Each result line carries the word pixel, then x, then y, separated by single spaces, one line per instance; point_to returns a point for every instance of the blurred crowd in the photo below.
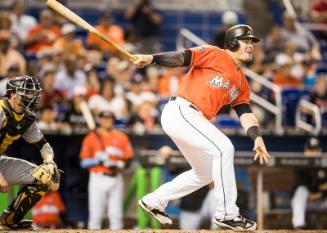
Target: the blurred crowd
pixel 74 69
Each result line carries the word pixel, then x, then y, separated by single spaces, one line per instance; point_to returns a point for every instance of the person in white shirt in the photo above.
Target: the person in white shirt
pixel 21 23
pixel 69 77
pixel 106 99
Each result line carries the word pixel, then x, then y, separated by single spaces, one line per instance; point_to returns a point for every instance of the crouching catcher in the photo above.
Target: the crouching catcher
pixel 17 119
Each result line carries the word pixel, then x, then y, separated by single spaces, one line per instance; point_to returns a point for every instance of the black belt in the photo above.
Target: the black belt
pixel 173 98
pixel 112 174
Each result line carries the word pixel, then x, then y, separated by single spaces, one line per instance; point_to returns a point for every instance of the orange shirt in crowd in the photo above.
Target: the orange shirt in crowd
pixel 213 81
pixel 74 47
pixel 290 81
pixel 168 85
pixel 48 36
pixel 113 32
pixel 116 143
pixel 47 211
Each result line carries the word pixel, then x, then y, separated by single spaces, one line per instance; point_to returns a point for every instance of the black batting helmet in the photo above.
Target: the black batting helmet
pixel 238 32
pixel 28 88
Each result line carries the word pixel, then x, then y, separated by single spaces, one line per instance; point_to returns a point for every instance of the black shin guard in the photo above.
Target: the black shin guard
pixel 27 197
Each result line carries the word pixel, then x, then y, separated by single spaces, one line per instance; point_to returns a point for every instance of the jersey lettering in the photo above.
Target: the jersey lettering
pixel 219 82
pixel 233 94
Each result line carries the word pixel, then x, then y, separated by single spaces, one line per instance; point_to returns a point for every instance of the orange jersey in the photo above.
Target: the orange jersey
pixel 47 211
pixel 213 81
pixel 115 142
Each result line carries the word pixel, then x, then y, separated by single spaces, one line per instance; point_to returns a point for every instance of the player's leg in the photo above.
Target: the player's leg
pixel 115 209
pixel 18 171
pixel 298 205
pixel 97 188
pixel 194 150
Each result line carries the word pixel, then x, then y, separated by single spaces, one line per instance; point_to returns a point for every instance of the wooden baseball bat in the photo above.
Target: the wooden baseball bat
pixel 88 117
pixel 64 11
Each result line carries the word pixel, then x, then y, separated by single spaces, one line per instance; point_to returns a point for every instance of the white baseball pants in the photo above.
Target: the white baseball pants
pixel 210 154
pixel 105 192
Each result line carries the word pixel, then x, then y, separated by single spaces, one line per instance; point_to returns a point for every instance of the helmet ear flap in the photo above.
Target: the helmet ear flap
pixel 234 44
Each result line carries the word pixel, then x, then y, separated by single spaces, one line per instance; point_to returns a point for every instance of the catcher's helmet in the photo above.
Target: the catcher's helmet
pixel 238 32
pixel 28 88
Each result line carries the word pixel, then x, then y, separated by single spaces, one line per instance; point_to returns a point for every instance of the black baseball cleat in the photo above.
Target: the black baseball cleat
pixel 22 225
pixel 161 216
pixel 238 223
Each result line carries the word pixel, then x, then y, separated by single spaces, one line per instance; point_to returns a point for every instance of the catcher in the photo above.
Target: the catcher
pixel 17 119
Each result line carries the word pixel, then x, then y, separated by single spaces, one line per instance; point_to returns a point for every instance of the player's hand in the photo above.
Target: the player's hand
pixel 102 156
pixel 142 60
pixel 4 186
pixel 260 151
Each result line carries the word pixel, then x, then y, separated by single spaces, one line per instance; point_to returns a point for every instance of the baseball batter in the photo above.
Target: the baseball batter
pixel 215 79
pixel 17 119
pixel 105 152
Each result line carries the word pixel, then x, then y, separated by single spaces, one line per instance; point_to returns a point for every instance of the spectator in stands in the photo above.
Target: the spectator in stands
pixel 311 187
pixel 303 39
pixel 106 152
pixel 229 19
pixel 136 90
pixel 43 34
pixel 146 24
pixel 310 74
pixel 319 93
pixel 48 122
pixel 152 75
pixel 5 21
pixel 284 77
pixel 122 72
pixel 9 57
pixel 21 23
pixel 93 82
pixel 48 212
pixel 73 115
pixel 68 43
pixel 50 57
pixel 13 71
pixel 145 118
pixel 69 77
pixel 273 44
pixel 112 31
pixel 170 80
pixel 106 99
pixel 319 11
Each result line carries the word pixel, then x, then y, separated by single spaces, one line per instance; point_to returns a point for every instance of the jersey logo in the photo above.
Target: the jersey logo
pixel 233 94
pixel 218 81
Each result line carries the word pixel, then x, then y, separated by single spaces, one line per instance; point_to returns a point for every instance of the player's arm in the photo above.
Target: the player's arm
pixel 33 135
pixel 250 124
pixel 168 59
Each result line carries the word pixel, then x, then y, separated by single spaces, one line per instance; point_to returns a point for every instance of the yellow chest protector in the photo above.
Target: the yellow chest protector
pixel 14 125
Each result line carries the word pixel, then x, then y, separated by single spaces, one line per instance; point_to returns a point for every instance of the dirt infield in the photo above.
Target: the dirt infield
pixel 158 231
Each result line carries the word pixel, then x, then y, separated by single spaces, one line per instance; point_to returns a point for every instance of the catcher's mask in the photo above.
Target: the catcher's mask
pixel 238 32
pixel 28 88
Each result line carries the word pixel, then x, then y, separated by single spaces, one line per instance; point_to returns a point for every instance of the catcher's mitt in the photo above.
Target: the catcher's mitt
pixel 49 174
